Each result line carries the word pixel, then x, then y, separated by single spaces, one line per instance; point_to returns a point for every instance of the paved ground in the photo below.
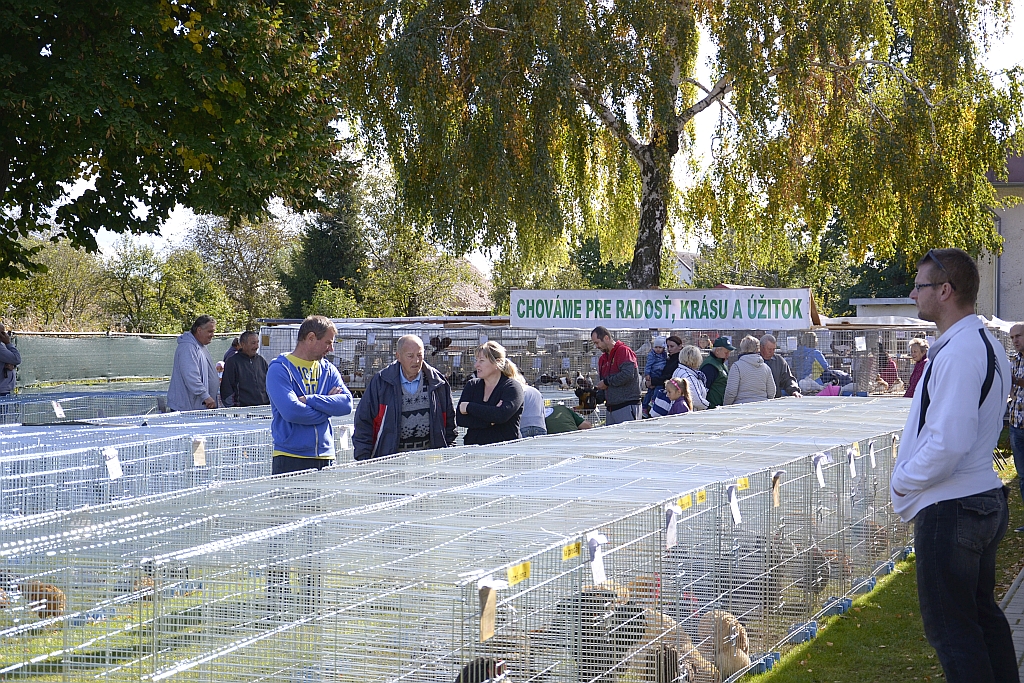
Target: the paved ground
pixel 1013 606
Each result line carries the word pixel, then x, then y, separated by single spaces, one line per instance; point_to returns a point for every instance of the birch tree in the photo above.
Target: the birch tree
pixel 524 125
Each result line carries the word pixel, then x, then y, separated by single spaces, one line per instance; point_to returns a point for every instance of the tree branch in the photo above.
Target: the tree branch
pixel 832 66
pixel 723 87
pixel 607 116
pixel 721 102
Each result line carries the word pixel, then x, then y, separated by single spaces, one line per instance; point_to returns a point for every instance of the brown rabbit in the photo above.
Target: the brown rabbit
pixel 45 599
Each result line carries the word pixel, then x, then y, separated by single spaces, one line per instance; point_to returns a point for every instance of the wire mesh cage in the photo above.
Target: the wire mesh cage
pixel 646 552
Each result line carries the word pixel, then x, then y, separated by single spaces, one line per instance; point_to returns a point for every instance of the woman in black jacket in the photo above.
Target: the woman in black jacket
pixel 673 345
pixel 492 402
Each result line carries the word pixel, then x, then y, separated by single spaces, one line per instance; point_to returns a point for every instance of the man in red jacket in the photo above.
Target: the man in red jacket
pixel 620 377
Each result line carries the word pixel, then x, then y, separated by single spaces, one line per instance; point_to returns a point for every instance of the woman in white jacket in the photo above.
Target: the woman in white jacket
pixel 750 378
pixel 690 359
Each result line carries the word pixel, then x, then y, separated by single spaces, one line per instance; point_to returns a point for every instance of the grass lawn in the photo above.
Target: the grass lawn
pixel 881 638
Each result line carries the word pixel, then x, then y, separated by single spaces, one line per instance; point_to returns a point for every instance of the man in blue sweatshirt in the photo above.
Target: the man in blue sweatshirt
pixel 305 392
pixel 944 481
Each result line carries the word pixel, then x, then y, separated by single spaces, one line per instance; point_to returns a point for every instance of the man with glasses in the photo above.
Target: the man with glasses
pixel 944 481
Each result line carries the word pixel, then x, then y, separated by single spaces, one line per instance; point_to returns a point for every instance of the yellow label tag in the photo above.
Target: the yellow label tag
pixel 518 573
pixel 570 551
pixel 702 496
pixel 686 502
pixel 742 484
pixel 856 449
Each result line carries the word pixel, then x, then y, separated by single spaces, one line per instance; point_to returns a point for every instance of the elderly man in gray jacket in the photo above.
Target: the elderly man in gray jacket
pixel 194 381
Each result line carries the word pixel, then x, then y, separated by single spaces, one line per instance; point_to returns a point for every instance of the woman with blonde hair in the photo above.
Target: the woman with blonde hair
pixel 690 359
pixel 492 402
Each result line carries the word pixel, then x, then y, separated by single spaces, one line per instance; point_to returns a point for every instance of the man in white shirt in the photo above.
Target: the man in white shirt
pixel 944 481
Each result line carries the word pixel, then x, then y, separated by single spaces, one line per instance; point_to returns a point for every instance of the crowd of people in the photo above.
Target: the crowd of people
pixel 942 480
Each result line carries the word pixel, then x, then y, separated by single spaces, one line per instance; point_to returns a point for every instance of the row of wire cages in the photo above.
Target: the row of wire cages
pixel 548 559
pixel 57 407
pixel 51 467
pixel 62 468
pixel 558 357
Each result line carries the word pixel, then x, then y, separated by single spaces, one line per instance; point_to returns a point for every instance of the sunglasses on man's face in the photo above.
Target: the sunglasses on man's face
pixel 936 261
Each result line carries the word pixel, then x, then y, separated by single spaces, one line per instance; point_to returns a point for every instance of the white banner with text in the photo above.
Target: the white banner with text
pixel 692 309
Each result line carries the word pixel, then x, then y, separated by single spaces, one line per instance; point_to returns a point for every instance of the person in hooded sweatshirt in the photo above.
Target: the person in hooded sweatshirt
pixel 305 392
pixel 194 381
pixel 750 378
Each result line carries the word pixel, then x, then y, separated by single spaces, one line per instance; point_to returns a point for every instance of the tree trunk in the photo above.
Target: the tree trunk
pixel 645 271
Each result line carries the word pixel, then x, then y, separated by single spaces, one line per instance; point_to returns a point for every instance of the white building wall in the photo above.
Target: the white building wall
pixel 1002 277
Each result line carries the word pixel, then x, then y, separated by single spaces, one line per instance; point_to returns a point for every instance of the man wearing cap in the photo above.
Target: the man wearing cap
pixel 716 372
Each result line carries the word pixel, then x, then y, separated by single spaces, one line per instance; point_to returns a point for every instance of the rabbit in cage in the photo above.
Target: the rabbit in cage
pixel 45 599
pixel 672 652
pixel 724 640
pixel 482 670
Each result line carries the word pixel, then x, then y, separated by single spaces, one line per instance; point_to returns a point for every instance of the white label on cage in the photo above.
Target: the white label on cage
pixel 734 505
pixel 593 362
pixel 114 470
pixel 344 439
pixel 456 361
pixel 871 455
pixel 490 582
pixel 594 541
pixel 541 342
pixel 371 338
pixel 930 339
pixel 565 363
pixel 791 343
pixel 362 361
pixel 901 334
pixel 483 339
pixel 199 451
pixel 672 514
pixel 851 456
pixel 536 362
pixel 895 445
pixel 425 338
pixel 860 343
pixel 57 410
pixel 819 461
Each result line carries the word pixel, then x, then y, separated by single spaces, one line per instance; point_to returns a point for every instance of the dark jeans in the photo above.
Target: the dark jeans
pixel 286 464
pixel 956 542
pixel 1017 446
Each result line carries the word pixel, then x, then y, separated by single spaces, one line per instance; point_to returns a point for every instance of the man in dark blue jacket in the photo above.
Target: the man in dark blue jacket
pixel 305 392
pixel 406 407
